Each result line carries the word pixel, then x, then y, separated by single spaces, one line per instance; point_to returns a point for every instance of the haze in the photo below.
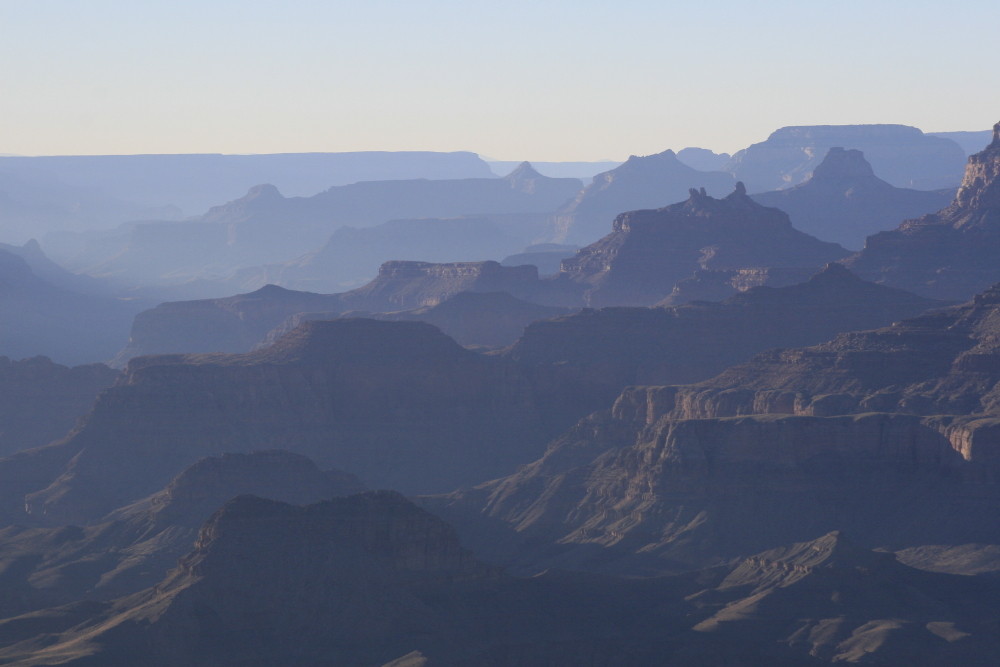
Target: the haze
pixel 553 80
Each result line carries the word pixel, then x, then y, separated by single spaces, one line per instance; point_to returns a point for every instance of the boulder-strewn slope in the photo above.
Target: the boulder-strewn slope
pixel 648 252
pixel 950 254
pixel 845 202
pixel 646 182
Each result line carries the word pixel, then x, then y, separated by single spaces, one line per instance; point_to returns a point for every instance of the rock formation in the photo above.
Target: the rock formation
pixel 652 181
pixel 397 403
pixel 135 546
pixel 232 324
pixel 944 362
pixel 353 255
pixel 620 346
pixel 648 252
pixel 845 202
pixel 949 254
pixel 265 228
pixel 903 156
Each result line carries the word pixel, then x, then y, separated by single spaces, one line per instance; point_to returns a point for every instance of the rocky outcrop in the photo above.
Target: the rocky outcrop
pixel 845 202
pixel 648 252
pixel 903 156
pixel 949 254
pixel 652 181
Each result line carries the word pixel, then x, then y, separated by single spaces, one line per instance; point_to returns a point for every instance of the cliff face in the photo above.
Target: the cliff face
pixel 949 254
pixel 943 362
pixel 646 182
pixel 845 202
pixel 648 252
pixel 621 346
pixel 397 403
pixel 636 490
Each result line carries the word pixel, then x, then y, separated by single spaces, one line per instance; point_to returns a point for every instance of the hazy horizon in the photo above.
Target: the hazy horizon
pixel 554 81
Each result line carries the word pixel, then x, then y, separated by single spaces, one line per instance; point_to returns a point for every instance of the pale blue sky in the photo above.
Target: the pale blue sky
pixel 542 80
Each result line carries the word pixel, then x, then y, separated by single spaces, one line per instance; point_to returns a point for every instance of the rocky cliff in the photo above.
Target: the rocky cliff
pixel 636 490
pixel 397 403
pixel 619 346
pixel 949 254
pixel 652 181
pixel 944 362
pixel 845 202
pixel 648 252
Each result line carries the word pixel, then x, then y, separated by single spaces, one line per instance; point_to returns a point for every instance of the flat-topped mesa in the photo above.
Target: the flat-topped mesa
pixel 981 185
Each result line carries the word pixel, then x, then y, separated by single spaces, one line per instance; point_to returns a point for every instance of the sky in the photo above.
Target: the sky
pixel 513 79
